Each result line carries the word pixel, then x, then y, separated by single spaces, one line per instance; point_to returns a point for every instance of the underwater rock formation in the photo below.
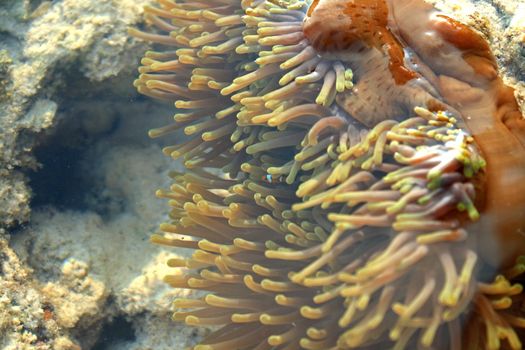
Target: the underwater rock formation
pixel 40 47
pixel 371 175
pixel 59 100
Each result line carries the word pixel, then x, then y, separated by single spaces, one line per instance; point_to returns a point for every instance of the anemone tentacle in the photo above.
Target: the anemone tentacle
pixel 319 231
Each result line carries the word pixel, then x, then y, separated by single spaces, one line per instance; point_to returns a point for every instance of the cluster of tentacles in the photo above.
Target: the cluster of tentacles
pixel 310 231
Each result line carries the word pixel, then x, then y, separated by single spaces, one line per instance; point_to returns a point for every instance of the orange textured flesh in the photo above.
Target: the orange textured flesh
pixel 467 79
pixel 501 138
pixel 462 68
pixel 336 25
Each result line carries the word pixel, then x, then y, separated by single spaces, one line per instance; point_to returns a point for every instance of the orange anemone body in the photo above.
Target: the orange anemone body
pixel 406 54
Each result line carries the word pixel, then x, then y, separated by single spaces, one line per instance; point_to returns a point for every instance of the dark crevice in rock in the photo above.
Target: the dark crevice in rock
pixel 59 181
pixel 65 178
pixel 116 331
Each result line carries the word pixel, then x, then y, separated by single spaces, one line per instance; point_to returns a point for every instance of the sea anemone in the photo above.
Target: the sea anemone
pixel 325 215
